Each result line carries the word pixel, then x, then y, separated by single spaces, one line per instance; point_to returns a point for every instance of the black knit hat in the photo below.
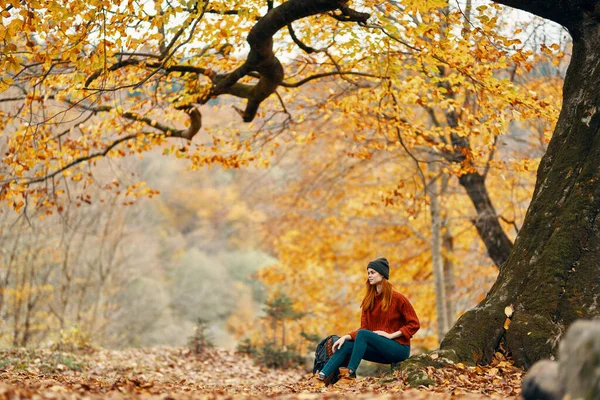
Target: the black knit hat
pixel 382 266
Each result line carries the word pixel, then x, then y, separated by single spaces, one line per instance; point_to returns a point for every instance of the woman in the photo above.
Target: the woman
pixel 387 323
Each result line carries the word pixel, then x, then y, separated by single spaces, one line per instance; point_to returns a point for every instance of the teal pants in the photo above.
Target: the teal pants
pixel 367 346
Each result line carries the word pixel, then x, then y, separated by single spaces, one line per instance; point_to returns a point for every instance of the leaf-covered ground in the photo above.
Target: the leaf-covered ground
pixel 175 373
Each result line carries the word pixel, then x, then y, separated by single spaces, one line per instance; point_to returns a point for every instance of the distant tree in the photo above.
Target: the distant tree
pixel 278 310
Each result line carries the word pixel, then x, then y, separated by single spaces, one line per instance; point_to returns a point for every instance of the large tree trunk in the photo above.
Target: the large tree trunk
pixel 552 275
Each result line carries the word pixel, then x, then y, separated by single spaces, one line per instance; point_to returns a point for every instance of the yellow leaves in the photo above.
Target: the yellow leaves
pixel 5 83
pixel 140 189
pixel 17 206
pixel 424 5
pixel 77 177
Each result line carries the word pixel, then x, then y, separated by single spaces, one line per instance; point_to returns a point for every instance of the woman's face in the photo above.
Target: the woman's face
pixel 374 276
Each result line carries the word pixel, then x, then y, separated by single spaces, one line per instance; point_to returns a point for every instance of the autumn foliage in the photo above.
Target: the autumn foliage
pixel 351 130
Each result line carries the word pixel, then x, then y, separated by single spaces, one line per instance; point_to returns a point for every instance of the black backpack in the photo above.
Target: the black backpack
pixel 323 353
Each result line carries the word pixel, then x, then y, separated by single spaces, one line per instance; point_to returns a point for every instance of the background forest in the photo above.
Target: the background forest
pixel 132 250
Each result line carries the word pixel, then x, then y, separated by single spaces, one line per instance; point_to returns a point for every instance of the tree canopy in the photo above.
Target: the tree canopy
pixel 113 78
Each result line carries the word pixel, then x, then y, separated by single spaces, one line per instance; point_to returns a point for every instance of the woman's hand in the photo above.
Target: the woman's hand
pixel 338 343
pixel 384 334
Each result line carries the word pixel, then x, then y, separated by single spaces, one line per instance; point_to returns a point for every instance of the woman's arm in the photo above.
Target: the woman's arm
pixel 389 335
pixel 395 335
pixel 412 321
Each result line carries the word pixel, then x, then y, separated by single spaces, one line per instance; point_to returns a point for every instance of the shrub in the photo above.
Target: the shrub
pixel 246 347
pixel 271 357
pixel 200 339
pixel 74 340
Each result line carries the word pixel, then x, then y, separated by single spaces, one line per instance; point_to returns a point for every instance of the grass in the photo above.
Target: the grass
pixel 46 361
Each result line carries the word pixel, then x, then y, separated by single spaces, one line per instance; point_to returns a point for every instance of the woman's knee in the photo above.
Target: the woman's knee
pixel 347 346
pixel 363 334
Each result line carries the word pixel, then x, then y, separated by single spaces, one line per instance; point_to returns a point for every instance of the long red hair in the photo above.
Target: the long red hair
pixel 369 299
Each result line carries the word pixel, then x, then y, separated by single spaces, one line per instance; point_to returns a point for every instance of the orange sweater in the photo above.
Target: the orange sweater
pixel 400 316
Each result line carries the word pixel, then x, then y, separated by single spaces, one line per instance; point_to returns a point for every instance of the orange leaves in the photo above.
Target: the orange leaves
pixel 140 189
pixel 498 379
pixel 221 374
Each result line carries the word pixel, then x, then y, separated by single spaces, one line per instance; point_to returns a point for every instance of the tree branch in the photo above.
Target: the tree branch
pixel 350 15
pixel 81 159
pixel 261 57
pixel 196 124
pixel 307 49
pixel 114 67
pixel 326 74
pixel 568 13
pixel 189 133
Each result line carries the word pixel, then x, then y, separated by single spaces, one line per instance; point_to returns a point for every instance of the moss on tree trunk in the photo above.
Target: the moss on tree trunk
pixel 552 275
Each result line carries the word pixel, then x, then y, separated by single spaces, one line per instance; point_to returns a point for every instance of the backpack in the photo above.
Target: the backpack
pixel 323 353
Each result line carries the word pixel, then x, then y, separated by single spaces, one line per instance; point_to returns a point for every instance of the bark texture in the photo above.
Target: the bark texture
pixel 552 275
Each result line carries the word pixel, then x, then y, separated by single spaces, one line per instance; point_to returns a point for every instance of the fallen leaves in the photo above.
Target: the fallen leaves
pixel 508 310
pixel 500 378
pixel 176 373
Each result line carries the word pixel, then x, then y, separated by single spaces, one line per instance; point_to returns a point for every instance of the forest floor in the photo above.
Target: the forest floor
pixel 176 373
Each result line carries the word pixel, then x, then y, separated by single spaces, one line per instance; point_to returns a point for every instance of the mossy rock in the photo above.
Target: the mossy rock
pixel 414 369
pixel 419 378
pixel 388 378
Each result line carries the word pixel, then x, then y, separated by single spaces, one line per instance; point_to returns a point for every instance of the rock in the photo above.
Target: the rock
pixel 577 373
pixel 579 353
pixel 541 382
pixel 414 370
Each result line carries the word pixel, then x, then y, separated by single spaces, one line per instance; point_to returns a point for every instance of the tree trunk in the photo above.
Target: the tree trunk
pixel 552 275
pixel 436 254
pixel 487 224
pixel 448 250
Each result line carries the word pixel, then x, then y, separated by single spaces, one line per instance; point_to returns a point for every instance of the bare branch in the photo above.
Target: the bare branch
pixel 6 100
pixel 511 222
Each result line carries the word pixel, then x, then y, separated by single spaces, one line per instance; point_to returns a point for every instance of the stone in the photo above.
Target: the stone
pixel 577 373
pixel 541 382
pixel 579 355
